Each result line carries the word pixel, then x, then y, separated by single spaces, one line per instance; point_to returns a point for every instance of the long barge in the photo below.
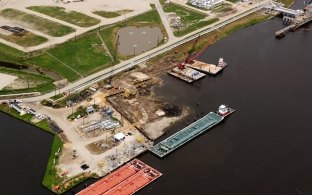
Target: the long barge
pixel 190 132
pixel 124 181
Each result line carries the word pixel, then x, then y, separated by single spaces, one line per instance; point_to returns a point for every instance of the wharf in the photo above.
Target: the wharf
pixel 206 68
pixel 187 74
pixel 186 134
pixel 126 180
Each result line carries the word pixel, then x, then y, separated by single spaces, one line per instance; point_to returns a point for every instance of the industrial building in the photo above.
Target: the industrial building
pixel 205 4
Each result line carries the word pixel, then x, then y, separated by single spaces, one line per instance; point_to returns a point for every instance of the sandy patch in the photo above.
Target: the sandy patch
pixel 6 80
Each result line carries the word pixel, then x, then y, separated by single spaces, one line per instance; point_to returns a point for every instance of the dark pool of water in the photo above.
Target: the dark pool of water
pixel 136 40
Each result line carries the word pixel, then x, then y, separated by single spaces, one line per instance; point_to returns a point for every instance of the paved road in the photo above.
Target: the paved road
pixel 150 54
pixel 164 20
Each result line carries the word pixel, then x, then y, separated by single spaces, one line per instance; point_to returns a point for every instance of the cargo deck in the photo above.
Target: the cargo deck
pixel 186 134
pixel 206 68
pixel 187 74
pixel 124 181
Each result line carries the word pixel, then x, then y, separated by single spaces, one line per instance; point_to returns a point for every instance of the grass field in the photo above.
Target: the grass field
pixel 61 13
pixel 192 20
pixel 9 54
pixel 51 178
pixel 107 14
pixel 84 54
pixel 38 23
pixel 150 18
pixel 223 8
pixel 37 83
pixel 27 40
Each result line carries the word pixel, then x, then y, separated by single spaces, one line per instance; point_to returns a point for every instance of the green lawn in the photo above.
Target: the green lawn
pixel 192 20
pixel 27 40
pixel 41 24
pixel 150 18
pixel 222 8
pixel 39 83
pixel 84 54
pixel 51 178
pixel 107 14
pixel 194 27
pixel 9 54
pixel 61 13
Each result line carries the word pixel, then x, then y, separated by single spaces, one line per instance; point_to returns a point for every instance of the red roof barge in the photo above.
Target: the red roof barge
pixel 128 179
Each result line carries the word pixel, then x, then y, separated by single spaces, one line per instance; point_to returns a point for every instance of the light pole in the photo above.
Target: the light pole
pixel 134 46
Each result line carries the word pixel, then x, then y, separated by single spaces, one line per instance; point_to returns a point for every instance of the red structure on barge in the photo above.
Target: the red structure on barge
pixel 126 180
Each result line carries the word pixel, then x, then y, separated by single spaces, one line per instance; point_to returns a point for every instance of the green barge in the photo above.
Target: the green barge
pixel 190 132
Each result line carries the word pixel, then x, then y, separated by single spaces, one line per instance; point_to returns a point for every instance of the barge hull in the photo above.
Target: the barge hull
pixel 133 175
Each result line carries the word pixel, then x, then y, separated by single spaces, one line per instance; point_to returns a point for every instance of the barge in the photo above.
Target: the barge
pixel 186 74
pixel 190 132
pixel 124 181
pixel 208 68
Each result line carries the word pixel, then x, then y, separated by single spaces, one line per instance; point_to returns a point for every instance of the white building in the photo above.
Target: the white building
pixel 205 4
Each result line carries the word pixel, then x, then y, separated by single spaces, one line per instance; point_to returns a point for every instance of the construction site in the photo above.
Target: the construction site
pixel 109 123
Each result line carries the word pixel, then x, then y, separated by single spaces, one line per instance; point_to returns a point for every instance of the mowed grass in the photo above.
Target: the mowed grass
pixel 108 14
pixel 9 54
pixel 51 177
pixel 61 13
pixel 192 20
pixel 109 34
pixel 41 24
pixel 27 40
pixel 85 55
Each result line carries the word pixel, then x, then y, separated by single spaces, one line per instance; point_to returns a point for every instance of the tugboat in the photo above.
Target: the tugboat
pixel 222 63
pixel 224 110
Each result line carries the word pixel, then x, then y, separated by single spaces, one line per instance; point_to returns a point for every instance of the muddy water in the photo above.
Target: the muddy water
pixel 136 40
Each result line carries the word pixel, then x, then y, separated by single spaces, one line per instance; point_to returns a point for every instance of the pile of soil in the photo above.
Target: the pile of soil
pixel 172 110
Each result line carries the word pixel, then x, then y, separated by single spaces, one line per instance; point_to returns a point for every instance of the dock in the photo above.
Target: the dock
pixel 206 68
pixel 124 181
pixel 186 74
pixel 298 19
pixel 186 134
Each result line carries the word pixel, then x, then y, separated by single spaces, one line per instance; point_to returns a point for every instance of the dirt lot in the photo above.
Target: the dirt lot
pixel 136 101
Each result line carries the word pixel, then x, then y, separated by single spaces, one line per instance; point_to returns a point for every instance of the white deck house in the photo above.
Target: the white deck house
pixel 205 4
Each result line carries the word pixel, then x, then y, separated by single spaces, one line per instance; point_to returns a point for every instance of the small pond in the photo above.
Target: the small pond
pixel 136 40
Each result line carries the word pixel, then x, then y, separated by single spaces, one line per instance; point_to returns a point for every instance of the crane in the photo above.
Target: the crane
pixel 189 58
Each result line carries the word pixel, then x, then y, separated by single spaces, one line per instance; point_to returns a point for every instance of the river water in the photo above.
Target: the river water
pixel 263 148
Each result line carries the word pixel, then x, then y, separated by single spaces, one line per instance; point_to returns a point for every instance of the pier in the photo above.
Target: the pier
pixel 125 181
pixel 296 18
pixel 186 134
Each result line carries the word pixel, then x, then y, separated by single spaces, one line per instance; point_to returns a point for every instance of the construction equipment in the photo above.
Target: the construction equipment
pixel 189 59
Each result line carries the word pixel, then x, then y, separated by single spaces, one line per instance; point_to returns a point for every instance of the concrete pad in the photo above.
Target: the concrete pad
pixel 6 80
